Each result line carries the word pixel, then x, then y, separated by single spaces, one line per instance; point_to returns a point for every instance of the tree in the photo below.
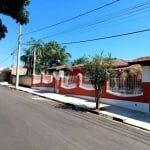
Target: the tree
pixel 80 60
pixel 28 57
pixel 54 54
pixel 3 30
pixel 47 55
pixel 99 70
pixel 15 9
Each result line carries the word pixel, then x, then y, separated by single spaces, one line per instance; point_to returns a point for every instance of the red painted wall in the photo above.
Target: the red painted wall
pixel 144 98
pixel 42 84
pixel 76 71
pixel 78 90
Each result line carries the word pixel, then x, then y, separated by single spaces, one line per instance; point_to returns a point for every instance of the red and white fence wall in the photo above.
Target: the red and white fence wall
pixel 43 82
pixel 81 87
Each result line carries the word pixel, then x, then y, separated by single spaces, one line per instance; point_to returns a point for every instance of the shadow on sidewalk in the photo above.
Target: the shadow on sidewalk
pixel 42 91
pixel 128 113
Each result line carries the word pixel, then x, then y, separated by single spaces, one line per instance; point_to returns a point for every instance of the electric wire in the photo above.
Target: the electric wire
pixel 5 59
pixel 102 23
pixel 106 37
pixel 12 54
pixel 72 18
pixel 111 18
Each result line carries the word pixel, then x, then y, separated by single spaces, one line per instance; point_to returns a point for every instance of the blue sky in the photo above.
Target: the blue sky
pixel 121 17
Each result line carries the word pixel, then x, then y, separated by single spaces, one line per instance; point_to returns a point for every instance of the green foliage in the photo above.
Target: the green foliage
pixel 28 56
pixel 47 55
pixel 99 70
pixel 81 60
pixel 3 30
pixel 15 9
pixel 54 54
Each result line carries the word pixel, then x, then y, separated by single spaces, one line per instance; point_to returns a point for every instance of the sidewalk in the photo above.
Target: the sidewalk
pixel 128 116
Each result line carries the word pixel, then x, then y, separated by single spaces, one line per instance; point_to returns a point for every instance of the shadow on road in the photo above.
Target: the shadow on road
pixel 70 107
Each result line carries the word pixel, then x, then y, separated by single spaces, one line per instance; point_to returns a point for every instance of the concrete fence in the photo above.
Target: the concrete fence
pixel 23 80
pixel 136 96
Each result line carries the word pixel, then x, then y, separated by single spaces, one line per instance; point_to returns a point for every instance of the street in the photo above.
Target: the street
pixel 29 122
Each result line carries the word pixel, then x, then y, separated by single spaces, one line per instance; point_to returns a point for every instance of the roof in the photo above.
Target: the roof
pixel 56 68
pixel 78 66
pixel 144 61
pixel 117 63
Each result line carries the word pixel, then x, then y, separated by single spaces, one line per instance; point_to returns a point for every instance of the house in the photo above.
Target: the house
pixel 131 92
pixel 58 70
pixel 126 91
pixel 5 74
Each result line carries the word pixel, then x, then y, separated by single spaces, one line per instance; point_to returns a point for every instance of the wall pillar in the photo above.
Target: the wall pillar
pixel 32 78
pixel 146 82
pixel 79 80
pixel 58 84
pixel 146 74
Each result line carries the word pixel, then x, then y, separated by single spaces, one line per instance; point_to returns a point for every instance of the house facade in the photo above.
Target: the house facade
pixel 128 91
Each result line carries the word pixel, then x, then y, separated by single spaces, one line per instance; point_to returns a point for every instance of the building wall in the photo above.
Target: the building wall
pixel 43 82
pixel 23 80
pixel 76 71
pixel 81 89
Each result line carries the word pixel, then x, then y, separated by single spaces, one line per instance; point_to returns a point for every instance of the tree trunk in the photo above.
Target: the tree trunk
pixel 97 97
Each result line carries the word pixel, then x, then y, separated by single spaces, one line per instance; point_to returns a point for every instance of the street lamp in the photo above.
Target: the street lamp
pixel 18 57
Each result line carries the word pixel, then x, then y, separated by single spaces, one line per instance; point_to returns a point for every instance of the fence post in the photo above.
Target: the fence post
pixel 146 82
pixel 32 78
pixel 79 80
pixel 42 78
pixel 58 83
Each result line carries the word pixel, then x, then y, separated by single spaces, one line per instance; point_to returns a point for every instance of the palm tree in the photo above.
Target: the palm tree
pixel 28 57
pixel 54 55
pixel 47 55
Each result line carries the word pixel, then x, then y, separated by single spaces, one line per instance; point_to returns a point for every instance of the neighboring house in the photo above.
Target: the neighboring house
pixel 22 70
pixel 23 78
pixel 5 74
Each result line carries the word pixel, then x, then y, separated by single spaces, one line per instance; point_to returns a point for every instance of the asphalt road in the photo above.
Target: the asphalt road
pixel 29 122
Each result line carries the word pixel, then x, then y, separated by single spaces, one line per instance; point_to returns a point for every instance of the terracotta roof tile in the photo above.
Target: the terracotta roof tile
pixel 120 63
pixel 63 67
pixel 141 60
pixel 116 64
pixel 78 66
pixel 147 58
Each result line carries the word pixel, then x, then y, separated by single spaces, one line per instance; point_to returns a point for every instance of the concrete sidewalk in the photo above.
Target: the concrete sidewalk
pixel 128 116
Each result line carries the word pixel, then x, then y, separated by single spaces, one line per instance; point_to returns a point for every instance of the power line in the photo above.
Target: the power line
pixel 13 54
pixel 129 12
pixel 107 37
pixel 4 60
pixel 72 18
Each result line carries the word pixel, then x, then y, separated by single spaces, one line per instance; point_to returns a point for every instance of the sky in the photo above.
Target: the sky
pixel 108 19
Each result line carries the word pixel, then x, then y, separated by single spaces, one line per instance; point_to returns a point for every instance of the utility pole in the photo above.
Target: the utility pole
pixel 18 57
pixel 34 60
